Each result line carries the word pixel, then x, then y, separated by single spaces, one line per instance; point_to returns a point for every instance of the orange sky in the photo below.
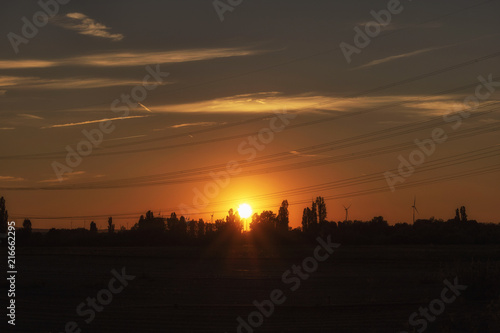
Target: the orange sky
pixel 272 92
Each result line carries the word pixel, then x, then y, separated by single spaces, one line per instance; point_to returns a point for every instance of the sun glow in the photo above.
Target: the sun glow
pixel 245 210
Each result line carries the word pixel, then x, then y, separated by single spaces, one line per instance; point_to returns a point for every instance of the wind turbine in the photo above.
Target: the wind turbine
pixel 346 212
pixel 414 208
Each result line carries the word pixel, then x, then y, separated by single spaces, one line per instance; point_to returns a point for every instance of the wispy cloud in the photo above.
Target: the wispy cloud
pixel 29 116
pixel 127 137
pixel 145 107
pixel 84 25
pixel 84 83
pixel 144 58
pixel 269 102
pixel 489 121
pixel 206 123
pixel 93 121
pixel 273 101
pixel 395 57
pixel 132 58
pixel 65 177
pixel 11 179
pixel 312 102
pixel 294 152
pixel 12 81
pixel 66 83
pixel 6 128
pixel 439 106
pixel 20 64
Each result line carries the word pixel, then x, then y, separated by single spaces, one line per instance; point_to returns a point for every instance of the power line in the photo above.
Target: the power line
pixel 491 151
pixel 235 124
pixel 201 174
pixel 165 179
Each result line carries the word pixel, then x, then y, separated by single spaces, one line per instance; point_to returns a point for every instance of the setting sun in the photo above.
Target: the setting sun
pixel 245 210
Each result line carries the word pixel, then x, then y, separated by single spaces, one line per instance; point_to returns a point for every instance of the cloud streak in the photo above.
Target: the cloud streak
pixel 145 107
pixel 26 64
pixel 206 123
pixel 84 25
pixel 395 57
pixel 12 81
pixel 66 83
pixel 124 59
pixel 92 121
pixel 132 58
pixel 273 101
pixel 127 137
pixel 65 177
pixel 29 116
pixel 11 179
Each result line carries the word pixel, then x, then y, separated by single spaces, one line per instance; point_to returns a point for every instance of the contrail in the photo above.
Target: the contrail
pixel 145 107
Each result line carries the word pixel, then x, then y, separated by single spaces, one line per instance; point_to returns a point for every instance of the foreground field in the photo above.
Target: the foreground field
pixel 358 289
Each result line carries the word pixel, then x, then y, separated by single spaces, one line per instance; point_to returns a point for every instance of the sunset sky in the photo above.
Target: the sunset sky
pixel 346 124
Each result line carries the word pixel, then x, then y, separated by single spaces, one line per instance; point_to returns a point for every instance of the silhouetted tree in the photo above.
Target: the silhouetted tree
pixel 457 215
pixel 306 213
pixel 172 221
pixel 210 228
pixel 463 215
pixel 150 223
pixel 93 228
pixel 201 228
pixel 220 225
pixel 313 219
pixel 283 217
pixel 111 226
pixel 321 206
pixel 233 221
pixel 254 225
pixel 27 226
pixel 310 215
pixel 379 222
pixel 230 218
pixel 4 216
pixel 266 221
pixel 182 226
pixel 192 224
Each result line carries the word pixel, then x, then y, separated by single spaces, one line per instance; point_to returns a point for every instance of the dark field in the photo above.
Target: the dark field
pixel 358 289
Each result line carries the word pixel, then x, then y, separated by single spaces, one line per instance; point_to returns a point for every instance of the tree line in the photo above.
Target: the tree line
pixel 175 230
